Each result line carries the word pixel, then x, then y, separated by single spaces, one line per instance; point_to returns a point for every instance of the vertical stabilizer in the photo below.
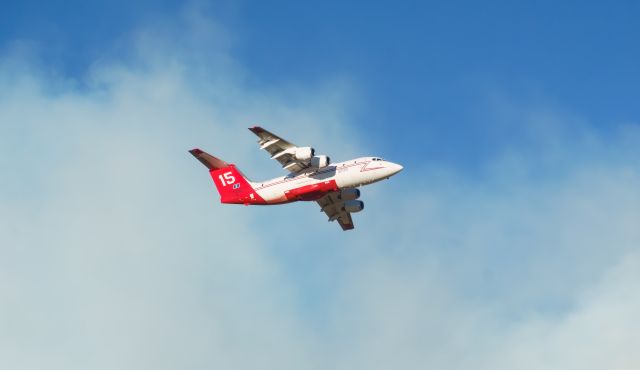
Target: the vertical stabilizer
pixel 232 185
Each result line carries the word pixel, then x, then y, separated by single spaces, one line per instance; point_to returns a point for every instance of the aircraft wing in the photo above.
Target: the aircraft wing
pixel 332 206
pixel 280 149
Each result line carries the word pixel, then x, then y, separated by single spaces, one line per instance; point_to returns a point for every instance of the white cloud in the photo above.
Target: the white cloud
pixel 115 254
pixel 599 333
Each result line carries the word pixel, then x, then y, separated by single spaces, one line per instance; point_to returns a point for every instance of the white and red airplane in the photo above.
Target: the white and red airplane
pixel 311 178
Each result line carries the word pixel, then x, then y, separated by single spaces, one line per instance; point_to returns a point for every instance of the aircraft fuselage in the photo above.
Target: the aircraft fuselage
pixel 313 184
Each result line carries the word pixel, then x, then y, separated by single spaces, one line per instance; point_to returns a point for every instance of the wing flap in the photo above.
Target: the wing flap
pixel 268 143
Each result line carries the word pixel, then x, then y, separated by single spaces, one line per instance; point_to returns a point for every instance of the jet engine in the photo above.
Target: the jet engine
pixel 304 153
pixel 349 194
pixel 353 206
pixel 320 161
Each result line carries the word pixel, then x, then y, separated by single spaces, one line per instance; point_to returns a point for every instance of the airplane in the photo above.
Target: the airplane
pixel 311 178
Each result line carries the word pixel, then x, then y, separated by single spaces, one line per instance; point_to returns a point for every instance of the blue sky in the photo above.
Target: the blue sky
pixel 430 68
pixel 510 240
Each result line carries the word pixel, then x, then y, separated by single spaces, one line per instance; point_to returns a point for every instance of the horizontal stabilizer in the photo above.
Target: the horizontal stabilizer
pixel 208 160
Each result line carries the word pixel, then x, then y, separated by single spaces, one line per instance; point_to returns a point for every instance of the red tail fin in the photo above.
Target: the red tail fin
pixel 232 185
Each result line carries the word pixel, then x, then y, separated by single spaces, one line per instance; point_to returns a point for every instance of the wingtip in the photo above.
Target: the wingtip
pixel 256 129
pixel 347 227
pixel 211 162
pixel 195 152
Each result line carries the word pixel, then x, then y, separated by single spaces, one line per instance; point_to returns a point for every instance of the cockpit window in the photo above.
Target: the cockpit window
pixel 377 159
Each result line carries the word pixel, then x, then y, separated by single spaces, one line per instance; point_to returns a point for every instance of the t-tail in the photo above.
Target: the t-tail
pixel 232 185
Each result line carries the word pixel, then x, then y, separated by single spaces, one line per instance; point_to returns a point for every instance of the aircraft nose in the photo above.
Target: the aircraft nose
pixel 395 168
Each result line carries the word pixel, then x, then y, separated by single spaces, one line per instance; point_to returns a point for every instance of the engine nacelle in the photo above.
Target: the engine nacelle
pixel 320 161
pixel 353 206
pixel 349 194
pixel 304 153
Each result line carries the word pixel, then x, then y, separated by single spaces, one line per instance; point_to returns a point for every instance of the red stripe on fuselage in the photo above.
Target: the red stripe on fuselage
pixel 311 192
pixel 311 175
